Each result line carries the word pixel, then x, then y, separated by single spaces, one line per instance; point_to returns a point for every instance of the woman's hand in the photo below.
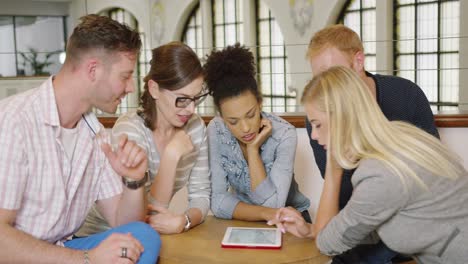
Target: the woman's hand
pixel 164 221
pixel 290 220
pixel 264 134
pixel 180 144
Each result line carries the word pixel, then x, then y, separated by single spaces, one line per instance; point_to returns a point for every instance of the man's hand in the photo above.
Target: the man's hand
pixel 128 159
pixel 110 250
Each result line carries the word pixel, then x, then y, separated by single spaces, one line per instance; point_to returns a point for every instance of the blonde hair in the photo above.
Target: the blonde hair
pixel 337 36
pixel 359 130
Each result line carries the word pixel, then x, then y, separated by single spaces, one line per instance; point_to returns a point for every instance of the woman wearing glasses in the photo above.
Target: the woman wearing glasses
pixel 251 152
pixel 174 138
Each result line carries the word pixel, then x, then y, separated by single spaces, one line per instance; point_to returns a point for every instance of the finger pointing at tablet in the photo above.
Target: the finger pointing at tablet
pixel 290 220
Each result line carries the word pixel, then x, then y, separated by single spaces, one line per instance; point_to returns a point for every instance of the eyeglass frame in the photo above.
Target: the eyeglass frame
pixel 194 99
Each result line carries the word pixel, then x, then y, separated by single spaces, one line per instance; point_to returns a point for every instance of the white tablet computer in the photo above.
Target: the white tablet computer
pixel 248 237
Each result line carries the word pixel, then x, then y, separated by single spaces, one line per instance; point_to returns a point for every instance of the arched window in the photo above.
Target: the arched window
pixel 192 35
pixel 426 48
pixel 267 44
pixel 360 16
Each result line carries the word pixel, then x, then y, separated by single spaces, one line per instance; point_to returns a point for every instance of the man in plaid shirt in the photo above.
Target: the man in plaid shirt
pixel 56 160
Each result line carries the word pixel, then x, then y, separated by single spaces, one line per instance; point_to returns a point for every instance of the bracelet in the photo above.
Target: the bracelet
pixel 86 257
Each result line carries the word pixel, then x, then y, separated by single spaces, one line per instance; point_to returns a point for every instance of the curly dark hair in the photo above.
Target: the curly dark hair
pixel 173 66
pixel 230 72
pixel 101 32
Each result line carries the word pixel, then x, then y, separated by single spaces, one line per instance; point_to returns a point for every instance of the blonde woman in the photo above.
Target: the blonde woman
pixel 409 189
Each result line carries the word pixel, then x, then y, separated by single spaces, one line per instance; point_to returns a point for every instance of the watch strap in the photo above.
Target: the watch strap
pixel 133 185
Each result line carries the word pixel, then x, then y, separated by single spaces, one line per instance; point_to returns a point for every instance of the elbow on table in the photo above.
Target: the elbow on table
pixel 219 213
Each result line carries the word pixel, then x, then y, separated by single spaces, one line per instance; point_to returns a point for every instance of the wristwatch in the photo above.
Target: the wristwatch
pixel 188 223
pixel 133 185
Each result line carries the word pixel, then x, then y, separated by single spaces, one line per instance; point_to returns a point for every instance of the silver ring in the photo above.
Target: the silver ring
pixel 124 252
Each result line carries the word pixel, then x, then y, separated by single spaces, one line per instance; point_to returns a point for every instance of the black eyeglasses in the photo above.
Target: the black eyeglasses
pixel 183 102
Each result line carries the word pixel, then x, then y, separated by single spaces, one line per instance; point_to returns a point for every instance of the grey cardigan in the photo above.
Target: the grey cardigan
pixel 431 225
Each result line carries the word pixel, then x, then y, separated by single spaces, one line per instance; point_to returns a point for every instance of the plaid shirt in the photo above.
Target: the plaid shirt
pixel 51 194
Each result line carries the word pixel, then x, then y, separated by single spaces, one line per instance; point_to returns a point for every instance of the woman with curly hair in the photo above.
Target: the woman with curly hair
pixel 251 152
pixel 174 138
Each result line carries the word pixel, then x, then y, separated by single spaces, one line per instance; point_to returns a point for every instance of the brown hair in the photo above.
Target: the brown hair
pixel 101 32
pixel 337 36
pixel 173 66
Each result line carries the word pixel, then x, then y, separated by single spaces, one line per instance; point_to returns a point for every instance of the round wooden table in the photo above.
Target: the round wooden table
pixel 202 244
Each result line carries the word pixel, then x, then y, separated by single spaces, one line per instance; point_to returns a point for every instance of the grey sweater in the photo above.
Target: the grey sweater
pixel 431 225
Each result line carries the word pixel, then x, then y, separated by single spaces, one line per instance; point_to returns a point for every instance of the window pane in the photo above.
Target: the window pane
pixel 231 37
pixel 449 64
pixel 370 62
pixel 450 26
pixel 352 20
pixel 38 42
pixel 427 28
pixel 230 11
pixel 264 34
pixel 279 105
pixel 263 11
pixel 355 5
pixel 405 67
pixel 228 28
pixel 218 12
pixel 7 47
pixel 219 33
pixel 368 31
pixel 368 3
pixel 427 75
pixel 240 14
pixel 291 105
pixel 406 35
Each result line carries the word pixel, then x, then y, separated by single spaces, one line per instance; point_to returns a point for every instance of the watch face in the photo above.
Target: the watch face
pixel 133 185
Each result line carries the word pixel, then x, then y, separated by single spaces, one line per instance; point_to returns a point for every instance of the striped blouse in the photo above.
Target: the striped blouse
pixel 192 170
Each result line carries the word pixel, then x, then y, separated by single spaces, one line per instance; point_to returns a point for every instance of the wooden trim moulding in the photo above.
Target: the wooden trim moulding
pixel 298 120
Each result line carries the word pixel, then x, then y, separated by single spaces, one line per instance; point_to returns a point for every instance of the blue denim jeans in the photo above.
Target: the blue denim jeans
pixel 147 236
pixel 366 254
